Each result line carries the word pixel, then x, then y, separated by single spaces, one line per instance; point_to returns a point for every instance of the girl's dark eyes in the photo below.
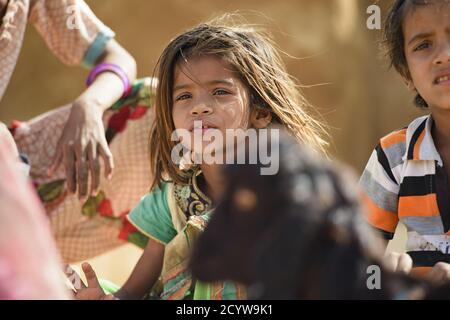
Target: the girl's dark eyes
pixel 220 92
pixel 183 97
pixel 422 46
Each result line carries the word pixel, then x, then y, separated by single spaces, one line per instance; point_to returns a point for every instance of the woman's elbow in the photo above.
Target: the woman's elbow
pixel 115 53
pixel 132 66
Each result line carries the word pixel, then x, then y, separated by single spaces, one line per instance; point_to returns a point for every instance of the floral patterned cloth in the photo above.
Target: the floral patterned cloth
pixel 85 230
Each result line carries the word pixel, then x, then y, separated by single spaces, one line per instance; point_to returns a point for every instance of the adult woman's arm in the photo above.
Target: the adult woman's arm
pixel 83 140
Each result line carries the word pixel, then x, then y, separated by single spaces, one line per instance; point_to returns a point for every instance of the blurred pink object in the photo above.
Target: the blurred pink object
pixel 29 263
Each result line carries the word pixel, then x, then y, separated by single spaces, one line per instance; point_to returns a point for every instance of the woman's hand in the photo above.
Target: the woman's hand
pixel 80 147
pixel 93 290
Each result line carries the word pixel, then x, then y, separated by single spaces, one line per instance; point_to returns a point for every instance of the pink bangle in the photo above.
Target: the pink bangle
pixel 104 67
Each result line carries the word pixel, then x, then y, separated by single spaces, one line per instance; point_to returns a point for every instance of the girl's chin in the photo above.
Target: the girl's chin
pixel 209 155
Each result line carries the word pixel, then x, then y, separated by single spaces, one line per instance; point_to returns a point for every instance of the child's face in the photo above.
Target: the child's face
pixel 207 89
pixel 427 49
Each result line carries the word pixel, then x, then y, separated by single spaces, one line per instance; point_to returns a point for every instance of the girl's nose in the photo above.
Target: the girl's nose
pixel 443 55
pixel 201 109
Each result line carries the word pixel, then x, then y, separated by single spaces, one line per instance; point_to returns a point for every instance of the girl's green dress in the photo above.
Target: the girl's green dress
pixel 174 215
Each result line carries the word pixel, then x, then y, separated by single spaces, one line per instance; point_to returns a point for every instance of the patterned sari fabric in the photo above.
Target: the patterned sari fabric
pixel 85 230
pixel 69 28
pixel 25 238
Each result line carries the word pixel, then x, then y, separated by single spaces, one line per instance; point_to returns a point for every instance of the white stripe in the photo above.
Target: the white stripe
pixel 427 148
pixel 397 171
pixel 412 127
pixel 418 168
pixel 379 174
pixel 418 242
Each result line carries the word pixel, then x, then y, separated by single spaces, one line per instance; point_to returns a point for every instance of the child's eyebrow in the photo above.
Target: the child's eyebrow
pixel 222 81
pixel 180 87
pixel 226 82
pixel 419 36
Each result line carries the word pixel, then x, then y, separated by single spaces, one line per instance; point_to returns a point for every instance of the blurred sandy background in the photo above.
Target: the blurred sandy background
pixel 359 98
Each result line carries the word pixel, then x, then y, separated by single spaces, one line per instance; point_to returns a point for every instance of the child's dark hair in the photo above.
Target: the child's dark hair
pixel 393 38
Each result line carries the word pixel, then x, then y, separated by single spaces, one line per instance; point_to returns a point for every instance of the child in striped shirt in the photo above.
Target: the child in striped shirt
pixel 406 178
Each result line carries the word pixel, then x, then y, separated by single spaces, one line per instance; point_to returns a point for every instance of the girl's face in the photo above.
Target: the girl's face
pixel 427 49
pixel 207 89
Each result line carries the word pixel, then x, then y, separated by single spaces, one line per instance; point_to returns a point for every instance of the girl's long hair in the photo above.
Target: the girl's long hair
pixel 257 61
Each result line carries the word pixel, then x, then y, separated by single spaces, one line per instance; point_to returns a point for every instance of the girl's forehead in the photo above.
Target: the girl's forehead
pixel 426 18
pixel 431 13
pixel 203 69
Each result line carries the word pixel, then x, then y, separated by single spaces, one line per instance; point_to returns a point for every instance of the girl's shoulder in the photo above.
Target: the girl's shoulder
pixel 152 215
pixel 156 201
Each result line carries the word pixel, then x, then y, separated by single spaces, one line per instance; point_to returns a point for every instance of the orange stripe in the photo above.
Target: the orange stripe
pixel 380 218
pixel 418 206
pixel 393 138
pixel 420 271
pixel 238 291
pixel 174 272
pixel 218 290
pixel 241 292
pixel 180 293
pixel 418 144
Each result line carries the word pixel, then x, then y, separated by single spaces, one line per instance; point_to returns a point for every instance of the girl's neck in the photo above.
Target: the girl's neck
pixel 441 129
pixel 214 180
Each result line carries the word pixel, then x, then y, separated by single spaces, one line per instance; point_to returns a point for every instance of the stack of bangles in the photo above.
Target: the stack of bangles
pixel 110 67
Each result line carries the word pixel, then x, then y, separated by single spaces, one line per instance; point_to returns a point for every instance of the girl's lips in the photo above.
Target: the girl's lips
pixel 443 80
pixel 204 127
pixel 202 130
pixel 443 77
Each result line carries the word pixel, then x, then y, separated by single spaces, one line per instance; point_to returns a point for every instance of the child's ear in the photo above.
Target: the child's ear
pixel 260 118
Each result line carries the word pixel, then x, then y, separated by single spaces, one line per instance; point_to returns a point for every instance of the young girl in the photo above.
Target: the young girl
pixel 228 78
pixel 406 178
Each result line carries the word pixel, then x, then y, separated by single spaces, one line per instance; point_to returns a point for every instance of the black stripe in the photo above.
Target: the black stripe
pixel 442 196
pixel 418 186
pixel 383 160
pixel 384 234
pixel 428 258
pixel 414 138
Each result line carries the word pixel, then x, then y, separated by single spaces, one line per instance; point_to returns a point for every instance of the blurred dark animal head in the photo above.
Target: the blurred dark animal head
pixel 297 234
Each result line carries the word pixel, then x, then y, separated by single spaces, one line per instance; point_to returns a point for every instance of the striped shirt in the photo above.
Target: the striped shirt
pixel 405 181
